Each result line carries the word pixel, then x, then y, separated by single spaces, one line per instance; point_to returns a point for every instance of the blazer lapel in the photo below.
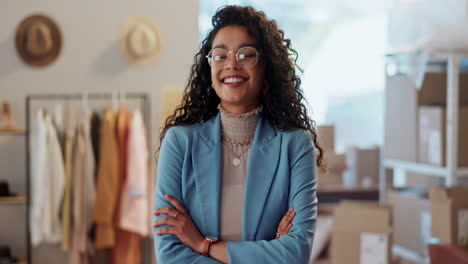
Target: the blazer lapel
pixel 261 169
pixel 207 162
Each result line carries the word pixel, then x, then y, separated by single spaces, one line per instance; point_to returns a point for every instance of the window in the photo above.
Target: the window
pixel 341 46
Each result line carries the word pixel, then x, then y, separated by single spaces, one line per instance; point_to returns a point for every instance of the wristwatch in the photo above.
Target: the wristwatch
pixel 207 244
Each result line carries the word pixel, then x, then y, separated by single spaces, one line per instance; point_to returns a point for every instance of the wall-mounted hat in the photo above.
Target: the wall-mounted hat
pixel 38 40
pixel 140 41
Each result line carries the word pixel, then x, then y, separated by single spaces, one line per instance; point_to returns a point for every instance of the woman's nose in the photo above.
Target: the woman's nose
pixel 231 62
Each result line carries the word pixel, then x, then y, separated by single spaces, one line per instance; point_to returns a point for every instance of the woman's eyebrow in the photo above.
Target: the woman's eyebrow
pixel 222 46
pixel 247 45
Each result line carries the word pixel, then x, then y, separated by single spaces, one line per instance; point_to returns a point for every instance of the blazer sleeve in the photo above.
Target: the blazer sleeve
pixel 168 248
pixel 296 246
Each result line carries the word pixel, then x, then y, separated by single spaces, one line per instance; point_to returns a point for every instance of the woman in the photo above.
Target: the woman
pixel 238 152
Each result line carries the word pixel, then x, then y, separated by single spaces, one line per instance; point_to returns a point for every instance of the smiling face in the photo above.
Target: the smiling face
pixel 237 87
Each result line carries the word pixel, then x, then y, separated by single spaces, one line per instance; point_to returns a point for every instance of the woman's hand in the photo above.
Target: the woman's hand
pixel 285 224
pixel 181 225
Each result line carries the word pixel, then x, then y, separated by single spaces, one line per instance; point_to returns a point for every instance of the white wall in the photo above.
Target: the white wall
pixel 90 60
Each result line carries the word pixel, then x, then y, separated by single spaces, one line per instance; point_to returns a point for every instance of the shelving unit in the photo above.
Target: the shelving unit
pixel 12 200
pixel 13 132
pixel 20 199
pixel 451 173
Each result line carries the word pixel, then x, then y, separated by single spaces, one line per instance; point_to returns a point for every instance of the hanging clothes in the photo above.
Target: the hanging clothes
pixel 95 134
pixel 38 162
pixel 83 192
pixel 90 179
pixel 77 245
pixel 134 212
pixel 70 124
pixel 54 181
pixel 107 183
pixel 57 119
pixel 128 244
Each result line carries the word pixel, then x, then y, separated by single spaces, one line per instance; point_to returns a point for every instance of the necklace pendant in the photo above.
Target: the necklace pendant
pixel 236 162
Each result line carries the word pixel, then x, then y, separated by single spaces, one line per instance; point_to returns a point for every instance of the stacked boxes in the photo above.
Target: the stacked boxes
pixel 402 110
pixel 411 219
pixel 362 234
pixel 336 163
pixel 432 135
pixel 450 214
pixel 363 166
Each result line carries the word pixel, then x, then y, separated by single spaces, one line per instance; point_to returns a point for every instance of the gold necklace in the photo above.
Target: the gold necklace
pixel 237 160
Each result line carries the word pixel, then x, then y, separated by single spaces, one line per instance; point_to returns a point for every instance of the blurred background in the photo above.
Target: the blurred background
pixel 385 80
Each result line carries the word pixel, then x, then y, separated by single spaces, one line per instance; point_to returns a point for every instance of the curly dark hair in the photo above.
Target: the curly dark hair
pixel 282 97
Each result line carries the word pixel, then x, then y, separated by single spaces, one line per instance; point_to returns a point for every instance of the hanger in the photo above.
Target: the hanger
pixel 123 98
pixel 84 100
pixel 115 100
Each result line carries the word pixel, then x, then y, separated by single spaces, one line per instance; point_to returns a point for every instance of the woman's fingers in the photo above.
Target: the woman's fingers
pixel 165 210
pixel 165 221
pixel 285 223
pixel 284 219
pixel 177 205
pixel 166 230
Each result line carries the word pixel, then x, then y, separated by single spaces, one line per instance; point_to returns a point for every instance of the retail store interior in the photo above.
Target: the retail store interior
pixel 87 87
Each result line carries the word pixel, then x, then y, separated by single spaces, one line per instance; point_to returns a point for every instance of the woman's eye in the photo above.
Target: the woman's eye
pixel 218 58
pixel 245 56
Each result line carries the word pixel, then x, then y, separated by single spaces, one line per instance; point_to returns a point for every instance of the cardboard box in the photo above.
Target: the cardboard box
pixel 362 234
pixel 330 179
pixel 449 214
pixel 411 219
pixel 326 136
pixel 336 164
pixel 432 135
pixel 322 236
pixel 362 167
pixel 402 102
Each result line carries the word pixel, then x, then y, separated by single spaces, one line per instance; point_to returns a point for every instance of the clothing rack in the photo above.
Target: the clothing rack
pixel 113 97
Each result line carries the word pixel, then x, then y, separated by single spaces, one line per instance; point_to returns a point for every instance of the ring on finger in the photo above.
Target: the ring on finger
pixel 175 216
pixel 277 235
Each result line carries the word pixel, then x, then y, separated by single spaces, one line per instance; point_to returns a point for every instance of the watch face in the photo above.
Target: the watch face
pixel 212 238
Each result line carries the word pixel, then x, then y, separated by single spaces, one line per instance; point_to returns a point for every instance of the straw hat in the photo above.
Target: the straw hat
pixel 38 40
pixel 140 41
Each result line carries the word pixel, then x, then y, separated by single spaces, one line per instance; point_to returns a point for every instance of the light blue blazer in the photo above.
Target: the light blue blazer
pixel 280 174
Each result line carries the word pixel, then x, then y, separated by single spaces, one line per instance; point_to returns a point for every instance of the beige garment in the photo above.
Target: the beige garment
pixel 239 128
pixel 78 244
pixel 232 197
pixel 67 199
pixel 83 193
pixel 89 184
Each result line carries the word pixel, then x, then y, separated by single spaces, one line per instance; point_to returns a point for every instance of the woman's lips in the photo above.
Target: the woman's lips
pixel 234 84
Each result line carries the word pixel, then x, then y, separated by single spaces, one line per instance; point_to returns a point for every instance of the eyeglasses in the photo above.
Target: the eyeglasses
pixel 246 57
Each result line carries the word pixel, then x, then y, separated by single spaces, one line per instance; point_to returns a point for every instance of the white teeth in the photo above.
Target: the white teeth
pixel 233 80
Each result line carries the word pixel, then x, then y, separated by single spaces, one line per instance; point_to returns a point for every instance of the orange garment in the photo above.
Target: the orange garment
pixel 107 183
pixel 127 249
